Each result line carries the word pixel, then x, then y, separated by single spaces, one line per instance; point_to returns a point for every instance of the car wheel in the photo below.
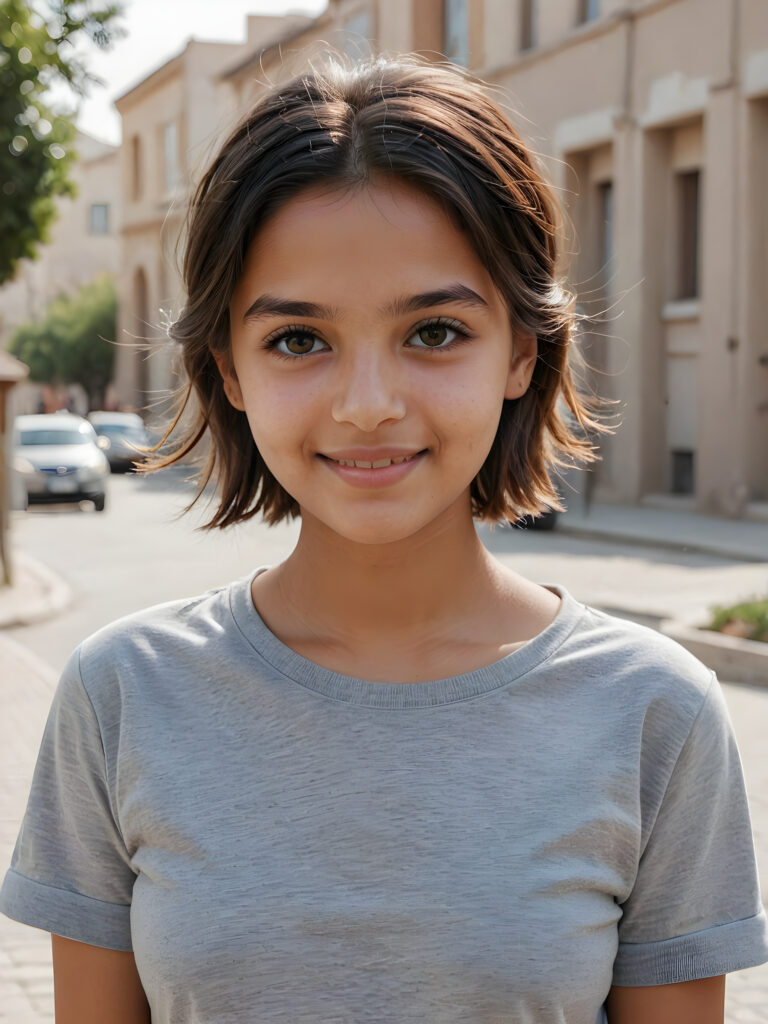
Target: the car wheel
pixel 99 502
pixel 546 521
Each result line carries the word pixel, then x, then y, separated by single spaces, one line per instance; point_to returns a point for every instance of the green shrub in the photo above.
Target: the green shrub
pixel 74 342
pixel 749 619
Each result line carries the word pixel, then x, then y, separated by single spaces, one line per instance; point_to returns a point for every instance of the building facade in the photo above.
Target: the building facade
pixel 651 117
pixel 171 121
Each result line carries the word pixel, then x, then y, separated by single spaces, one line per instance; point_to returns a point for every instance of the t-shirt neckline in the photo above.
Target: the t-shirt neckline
pixel 393 696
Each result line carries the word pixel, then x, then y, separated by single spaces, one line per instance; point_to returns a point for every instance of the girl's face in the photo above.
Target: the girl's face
pixel 371 353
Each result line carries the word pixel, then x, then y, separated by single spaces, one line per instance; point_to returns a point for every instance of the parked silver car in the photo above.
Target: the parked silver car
pixel 58 459
pixel 121 435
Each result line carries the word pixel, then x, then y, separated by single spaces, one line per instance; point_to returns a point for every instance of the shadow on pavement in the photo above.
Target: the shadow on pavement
pixel 174 478
pixel 507 540
pixel 69 508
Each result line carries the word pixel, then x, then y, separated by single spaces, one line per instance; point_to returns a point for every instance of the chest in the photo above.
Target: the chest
pixel 464 860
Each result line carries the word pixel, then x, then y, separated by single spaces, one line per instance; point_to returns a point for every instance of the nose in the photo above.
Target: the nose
pixel 369 391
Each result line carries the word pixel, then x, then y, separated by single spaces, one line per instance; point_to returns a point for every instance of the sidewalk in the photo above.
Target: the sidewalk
pixel 669 528
pixel 26 982
pixel 36 594
pixel 28 682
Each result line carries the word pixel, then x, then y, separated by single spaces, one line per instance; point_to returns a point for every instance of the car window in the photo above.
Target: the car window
pixel 119 429
pixel 56 437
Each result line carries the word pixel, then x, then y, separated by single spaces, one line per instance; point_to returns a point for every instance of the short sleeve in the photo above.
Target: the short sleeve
pixel 70 873
pixel 695 910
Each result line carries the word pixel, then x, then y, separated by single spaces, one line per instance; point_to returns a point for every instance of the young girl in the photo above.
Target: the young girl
pixel 389 779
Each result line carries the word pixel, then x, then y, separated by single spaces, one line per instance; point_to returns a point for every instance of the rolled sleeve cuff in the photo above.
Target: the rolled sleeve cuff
pixel 66 913
pixel 705 954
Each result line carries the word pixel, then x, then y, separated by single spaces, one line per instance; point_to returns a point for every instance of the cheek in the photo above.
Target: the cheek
pixel 280 412
pixel 471 407
pixel 263 412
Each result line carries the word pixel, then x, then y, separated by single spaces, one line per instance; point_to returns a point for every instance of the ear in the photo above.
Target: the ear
pixel 229 380
pixel 524 354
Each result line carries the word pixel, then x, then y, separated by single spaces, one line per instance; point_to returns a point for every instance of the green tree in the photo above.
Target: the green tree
pixel 37 49
pixel 73 343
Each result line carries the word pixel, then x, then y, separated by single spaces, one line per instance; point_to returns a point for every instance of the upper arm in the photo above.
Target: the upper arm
pixel 695 897
pixel 689 1002
pixel 93 985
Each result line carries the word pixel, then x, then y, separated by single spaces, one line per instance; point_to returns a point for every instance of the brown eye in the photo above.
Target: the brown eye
pixel 295 343
pixel 439 335
pixel 299 344
pixel 433 334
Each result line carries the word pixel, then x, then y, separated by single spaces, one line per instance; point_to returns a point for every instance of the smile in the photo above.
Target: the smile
pixel 382 471
pixel 378 464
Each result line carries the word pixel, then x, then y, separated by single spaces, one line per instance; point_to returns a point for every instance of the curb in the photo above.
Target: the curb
pixel 36 665
pixel 666 544
pixel 49 596
pixel 731 658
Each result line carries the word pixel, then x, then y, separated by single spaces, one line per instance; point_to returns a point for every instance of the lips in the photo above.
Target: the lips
pixel 373 469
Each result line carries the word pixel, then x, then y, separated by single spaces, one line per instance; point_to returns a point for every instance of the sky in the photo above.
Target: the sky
pixel 156 30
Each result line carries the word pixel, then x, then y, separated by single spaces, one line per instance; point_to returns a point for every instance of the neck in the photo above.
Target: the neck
pixel 401 589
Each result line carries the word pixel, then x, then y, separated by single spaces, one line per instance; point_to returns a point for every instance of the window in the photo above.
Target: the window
pixel 529 24
pixel 136 182
pixel 605 224
pixel 588 10
pixel 456 31
pixel 171 155
pixel 688 227
pixel 682 471
pixel 357 34
pixel 99 221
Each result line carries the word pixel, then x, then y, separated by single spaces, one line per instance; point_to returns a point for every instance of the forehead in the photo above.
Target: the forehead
pixel 391 200
pixel 371 241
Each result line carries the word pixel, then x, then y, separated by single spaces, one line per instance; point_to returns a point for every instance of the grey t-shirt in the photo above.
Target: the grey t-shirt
pixel 278 842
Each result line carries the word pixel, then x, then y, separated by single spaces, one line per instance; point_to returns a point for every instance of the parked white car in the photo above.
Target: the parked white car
pixel 122 435
pixel 58 459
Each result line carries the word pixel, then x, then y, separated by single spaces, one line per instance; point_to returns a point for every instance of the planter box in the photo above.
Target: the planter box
pixel 734 660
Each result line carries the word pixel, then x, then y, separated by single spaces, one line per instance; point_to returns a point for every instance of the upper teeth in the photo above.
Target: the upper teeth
pixel 378 464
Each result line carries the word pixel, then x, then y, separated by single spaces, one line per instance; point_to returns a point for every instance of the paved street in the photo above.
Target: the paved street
pixel 136 554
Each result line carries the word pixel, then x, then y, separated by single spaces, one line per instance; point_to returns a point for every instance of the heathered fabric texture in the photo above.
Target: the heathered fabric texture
pixel 280 843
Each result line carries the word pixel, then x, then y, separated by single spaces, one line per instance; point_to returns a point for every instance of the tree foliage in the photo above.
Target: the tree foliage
pixel 37 49
pixel 73 344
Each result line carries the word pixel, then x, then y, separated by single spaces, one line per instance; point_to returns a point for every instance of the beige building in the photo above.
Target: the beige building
pixel 652 117
pixel 171 121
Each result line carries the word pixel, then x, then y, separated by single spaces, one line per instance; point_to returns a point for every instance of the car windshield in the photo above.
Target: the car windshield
pixel 55 437
pixel 119 430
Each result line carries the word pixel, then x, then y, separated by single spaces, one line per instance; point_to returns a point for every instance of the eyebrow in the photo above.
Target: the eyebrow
pixel 456 293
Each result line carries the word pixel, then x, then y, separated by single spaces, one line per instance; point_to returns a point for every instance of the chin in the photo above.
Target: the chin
pixel 367 528
pixel 375 534
pixel 377 524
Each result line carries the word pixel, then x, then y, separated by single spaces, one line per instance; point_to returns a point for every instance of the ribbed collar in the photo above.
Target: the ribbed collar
pixel 399 696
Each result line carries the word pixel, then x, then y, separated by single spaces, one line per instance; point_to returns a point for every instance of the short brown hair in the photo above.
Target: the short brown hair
pixel 437 129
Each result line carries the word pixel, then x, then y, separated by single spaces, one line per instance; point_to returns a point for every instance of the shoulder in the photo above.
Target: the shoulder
pixel 183 618
pixel 139 651
pixel 638 666
pixel 647 703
